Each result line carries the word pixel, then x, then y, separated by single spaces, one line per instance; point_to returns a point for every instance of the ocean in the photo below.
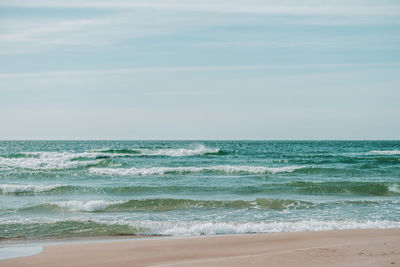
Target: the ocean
pixel 71 189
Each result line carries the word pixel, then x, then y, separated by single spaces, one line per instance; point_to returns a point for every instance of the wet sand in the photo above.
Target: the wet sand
pixel 370 247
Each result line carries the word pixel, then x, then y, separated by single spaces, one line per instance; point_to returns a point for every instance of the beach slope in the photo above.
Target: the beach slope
pixel 372 247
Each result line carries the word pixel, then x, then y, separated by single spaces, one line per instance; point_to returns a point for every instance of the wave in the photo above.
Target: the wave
pixel 394 188
pixel 181 170
pixel 384 152
pixel 67 228
pixel 302 187
pixel 83 227
pixel 216 228
pixel 19 188
pixel 44 160
pixel 88 206
pixel 343 187
pixel 177 152
pixel 47 161
pixel 161 204
pixel 307 188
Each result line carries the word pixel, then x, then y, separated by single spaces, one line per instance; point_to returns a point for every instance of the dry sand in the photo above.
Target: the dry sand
pixel 325 248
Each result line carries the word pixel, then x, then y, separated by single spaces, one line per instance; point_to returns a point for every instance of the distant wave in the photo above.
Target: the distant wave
pixel 166 170
pixel 46 161
pixel 43 160
pixel 384 152
pixel 18 188
pixel 177 152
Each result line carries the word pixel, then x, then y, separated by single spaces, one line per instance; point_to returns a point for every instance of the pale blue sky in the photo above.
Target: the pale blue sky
pixel 186 69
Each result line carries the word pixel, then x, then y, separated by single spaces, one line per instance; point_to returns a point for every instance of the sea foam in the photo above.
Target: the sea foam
pixel 384 152
pixel 199 150
pixel 166 170
pixel 171 152
pixel 197 228
pixel 394 188
pixel 47 161
pixel 213 228
pixel 88 206
pixel 18 188
pixel 44 160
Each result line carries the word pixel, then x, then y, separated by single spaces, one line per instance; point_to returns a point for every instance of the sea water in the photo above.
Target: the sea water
pixel 59 189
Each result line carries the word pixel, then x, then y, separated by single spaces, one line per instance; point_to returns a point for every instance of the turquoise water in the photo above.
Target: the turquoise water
pixel 56 189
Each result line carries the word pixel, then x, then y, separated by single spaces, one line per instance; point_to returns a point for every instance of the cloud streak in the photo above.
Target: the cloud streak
pixel 242 7
pixel 191 69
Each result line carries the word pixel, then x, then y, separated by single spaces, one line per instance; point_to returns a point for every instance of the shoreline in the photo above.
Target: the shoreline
pixel 362 247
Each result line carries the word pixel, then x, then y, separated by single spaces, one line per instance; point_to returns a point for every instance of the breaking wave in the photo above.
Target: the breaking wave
pixel 89 206
pixel 216 228
pixel 19 188
pixel 69 160
pixel 384 152
pixel 84 227
pixel 176 152
pixel 167 170
pixel 48 161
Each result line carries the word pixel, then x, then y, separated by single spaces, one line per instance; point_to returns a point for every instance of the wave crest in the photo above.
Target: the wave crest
pixel 96 227
pixel 165 170
pixel 215 228
pixel 47 161
pixel 88 206
pixel 18 188
pixel 167 204
pixel 171 152
pixel 384 152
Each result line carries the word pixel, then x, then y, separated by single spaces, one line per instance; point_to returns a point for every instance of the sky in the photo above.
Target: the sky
pixel 186 69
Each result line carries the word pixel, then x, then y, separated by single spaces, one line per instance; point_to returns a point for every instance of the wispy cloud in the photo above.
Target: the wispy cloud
pixel 191 69
pixel 222 6
pixel 28 30
pixel 128 20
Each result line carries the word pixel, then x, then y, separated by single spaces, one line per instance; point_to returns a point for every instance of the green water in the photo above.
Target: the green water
pixel 109 188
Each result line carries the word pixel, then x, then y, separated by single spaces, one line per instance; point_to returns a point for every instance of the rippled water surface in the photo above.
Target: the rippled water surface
pixel 110 188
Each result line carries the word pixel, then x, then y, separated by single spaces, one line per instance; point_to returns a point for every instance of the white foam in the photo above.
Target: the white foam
pixel 199 150
pixel 197 228
pixel 19 188
pixel 212 228
pixel 385 152
pixel 47 160
pixel 394 188
pixel 42 160
pixel 89 206
pixel 165 170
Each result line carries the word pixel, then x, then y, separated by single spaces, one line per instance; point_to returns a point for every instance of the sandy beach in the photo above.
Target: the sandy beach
pixel 372 247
